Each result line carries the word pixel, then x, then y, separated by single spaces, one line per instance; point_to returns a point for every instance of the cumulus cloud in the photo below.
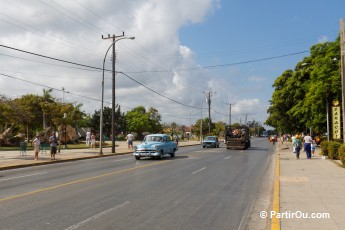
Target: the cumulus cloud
pixel 156 59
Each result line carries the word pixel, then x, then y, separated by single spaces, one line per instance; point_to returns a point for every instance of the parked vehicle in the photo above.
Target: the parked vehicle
pixel 210 141
pixel 237 137
pixel 155 146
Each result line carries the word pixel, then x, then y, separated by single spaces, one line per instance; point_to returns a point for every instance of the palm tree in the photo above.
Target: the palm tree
pixel 47 95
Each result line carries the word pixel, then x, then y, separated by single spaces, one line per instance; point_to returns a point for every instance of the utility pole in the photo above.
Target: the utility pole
pixel 63 95
pixel 113 127
pixel 209 112
pixel 342 68
pixel 190 130
pixel 230 112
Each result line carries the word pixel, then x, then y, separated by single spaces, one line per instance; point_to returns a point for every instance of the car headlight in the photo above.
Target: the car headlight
pixel 156 147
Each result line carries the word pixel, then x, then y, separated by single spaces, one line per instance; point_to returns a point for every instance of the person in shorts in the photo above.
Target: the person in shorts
pixel 36 143
pixel 53 145
pixel 130 140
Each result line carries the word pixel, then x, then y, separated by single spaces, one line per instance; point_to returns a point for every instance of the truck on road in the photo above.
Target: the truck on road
pixel 237 137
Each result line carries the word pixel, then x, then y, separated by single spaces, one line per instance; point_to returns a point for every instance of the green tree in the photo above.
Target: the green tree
pixel 205 127
pixel 95 121
pixel 300 95
pixel 155 120
pixel 219 128
pixel 138 121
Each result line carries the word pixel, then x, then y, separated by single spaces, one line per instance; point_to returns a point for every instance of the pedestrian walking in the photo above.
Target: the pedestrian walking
pixel 93 141
pixel 313 146
pixel 129 138
pixel 293 138
pixel 297 144
pixel 53 145
pixel 307 145
pixel 88 138
pixel 36 143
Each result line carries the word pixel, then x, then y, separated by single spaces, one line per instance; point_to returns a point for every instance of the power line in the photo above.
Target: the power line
pixel 198 68
pixel 222 65
pixel 158 92
pixel 55 59
pixel 49 87
pixel 74 63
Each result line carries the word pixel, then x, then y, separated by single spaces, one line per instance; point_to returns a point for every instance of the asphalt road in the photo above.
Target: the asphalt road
pixel 198 189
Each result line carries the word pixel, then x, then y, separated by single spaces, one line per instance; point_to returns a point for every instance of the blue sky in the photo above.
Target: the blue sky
pixel 173 38
pixel 242 31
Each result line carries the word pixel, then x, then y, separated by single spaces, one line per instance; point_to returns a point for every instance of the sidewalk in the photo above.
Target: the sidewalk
pixel 310 186
pixel 12 159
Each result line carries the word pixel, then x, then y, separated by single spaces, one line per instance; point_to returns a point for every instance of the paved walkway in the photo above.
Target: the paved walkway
pixel 310 186
pixel 13 159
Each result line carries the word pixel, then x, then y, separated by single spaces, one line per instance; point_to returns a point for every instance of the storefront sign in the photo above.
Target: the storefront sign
pixel 336 122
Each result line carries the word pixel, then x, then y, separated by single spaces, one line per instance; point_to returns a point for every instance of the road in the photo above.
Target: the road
pixel 198 189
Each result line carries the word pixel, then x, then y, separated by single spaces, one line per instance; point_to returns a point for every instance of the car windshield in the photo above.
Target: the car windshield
pixel 210 138
pixel 151 138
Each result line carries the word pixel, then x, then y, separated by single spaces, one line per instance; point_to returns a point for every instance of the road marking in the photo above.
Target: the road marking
pixel 12 178
pixel 126 159
pixel 199 170
pixel 95 217
pixel 79 181
pixel 275 224
pixel 227 158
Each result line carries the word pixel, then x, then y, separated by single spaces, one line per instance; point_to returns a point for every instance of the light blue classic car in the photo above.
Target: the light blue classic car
pixel 155 146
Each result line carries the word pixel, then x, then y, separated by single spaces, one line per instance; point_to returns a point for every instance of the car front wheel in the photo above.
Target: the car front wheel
pixel 160 157
pixel 172 154
pixel 137 157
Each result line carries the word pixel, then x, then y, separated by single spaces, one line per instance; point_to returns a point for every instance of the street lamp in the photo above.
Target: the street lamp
pixel 113 97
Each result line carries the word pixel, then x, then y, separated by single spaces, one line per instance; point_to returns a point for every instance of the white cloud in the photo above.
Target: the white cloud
pixel 71 30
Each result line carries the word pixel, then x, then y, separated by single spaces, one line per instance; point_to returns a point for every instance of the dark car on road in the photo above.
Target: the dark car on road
pixel 210 141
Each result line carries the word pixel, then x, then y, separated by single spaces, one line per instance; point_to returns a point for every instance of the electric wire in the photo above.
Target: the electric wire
pixel 49 87
pixel 97 68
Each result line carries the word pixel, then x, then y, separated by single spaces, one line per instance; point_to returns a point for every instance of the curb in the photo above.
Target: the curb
pixel 275 225
pixel 68 160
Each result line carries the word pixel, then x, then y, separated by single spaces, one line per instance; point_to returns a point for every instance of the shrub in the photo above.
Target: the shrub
pixel 333 150
pixel 324 148
pixel 341 152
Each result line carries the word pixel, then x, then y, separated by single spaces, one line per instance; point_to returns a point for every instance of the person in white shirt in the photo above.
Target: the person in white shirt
pixel 130 140
pixel 307 145
pixel 36 143
pixel 293 138
pixel 88 138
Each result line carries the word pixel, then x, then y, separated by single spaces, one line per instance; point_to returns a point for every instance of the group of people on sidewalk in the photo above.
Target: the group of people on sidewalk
pixel 307 143
pixel 90 140
pixel 53 141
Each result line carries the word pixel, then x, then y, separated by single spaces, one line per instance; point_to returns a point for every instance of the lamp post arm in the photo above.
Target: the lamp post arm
pixel 101 115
